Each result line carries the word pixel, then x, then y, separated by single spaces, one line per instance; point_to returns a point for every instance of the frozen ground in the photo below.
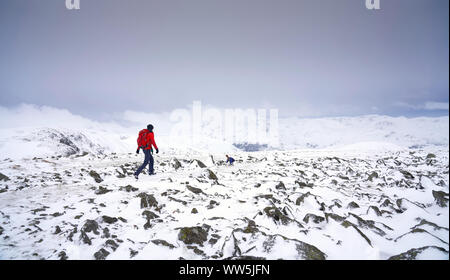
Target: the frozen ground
pixel 371 187
pixel 302 204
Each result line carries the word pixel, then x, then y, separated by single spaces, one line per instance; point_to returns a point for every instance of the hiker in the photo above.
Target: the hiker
pixel 145 142
pixel 230 160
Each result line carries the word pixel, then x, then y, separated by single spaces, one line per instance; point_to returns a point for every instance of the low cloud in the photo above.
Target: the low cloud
pixel 429 106
pixel 436 106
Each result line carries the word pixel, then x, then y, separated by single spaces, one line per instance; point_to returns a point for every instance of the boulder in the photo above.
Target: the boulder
pixel 314 218
pixel 109 220
pixel 102 190
pixel 147 200
pixel 191 235
pixel 441 198
pixel 96 177
pixel 4 177
pixel 175 163
pixel 280 186
pixel 129 188
pixel 90 226
pixel 211 175
pixel 194 189
pixel 101 254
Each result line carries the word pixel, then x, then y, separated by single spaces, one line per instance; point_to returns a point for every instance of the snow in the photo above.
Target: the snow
pixel 47 155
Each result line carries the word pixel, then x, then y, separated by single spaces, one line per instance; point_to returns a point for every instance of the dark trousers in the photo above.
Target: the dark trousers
pixel 148 160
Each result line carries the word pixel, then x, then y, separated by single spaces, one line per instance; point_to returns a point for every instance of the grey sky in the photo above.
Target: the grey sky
pixel 305 57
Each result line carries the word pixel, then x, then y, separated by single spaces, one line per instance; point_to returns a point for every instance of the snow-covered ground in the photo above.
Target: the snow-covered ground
pixel 371 187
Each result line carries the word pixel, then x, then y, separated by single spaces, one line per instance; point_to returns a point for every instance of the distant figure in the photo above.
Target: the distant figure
pixel 230 160
pixel 145 142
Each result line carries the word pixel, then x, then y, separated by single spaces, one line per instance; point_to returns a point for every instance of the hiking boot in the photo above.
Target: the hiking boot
pixel 136 176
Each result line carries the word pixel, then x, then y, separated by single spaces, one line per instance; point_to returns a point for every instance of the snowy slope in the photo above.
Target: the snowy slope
pixel 29 131
pixel 370 187
pixel 305 204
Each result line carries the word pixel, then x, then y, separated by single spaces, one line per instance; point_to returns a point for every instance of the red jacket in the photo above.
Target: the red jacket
pixel 150 140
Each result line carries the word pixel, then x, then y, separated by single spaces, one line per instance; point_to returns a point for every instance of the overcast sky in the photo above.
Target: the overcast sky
pixel 304 57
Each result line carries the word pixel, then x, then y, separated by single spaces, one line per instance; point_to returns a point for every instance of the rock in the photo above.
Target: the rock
pixel 191 235
pixel 194 190
pixel 3 177
pixel 101 254
pixel 163 243
pixel 57 230
pixel 316 219
pixel 63 256
pixel 268 197
pixel 177 200
pixel 194 211
pixel 387 203
pixel 175 163
pixel 335 217
pixel 276 215
pixel 200 164
pixel 303 184
pixel 109 220
pixel 347 224
pixel 90 226
pixel 111 244
pixel 56 214
pixel 257 185
pixel 353 205
pixel 149 215
pixel 246 257
pixel 428 223
pixel 309 252
pixel 85 238
pixel 147 200
pixel 133 252
pixel 407 174
pixel 212 203
pixel 251 227
pixel 301 199
pixel 431 156
pixel 106 233
pixel 214 238
pixel 369 224
pixel 373 175
pixel 441 198
pixel 102 190
pixel 211 175
pixel 72 233
pixel 412 253
pixel 280 186
pixel 375 209
pixel 197 250
pixel 129 188
pixel 96 177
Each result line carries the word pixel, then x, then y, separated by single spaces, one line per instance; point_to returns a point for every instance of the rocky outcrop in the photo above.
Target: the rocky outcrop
pixel 413 253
